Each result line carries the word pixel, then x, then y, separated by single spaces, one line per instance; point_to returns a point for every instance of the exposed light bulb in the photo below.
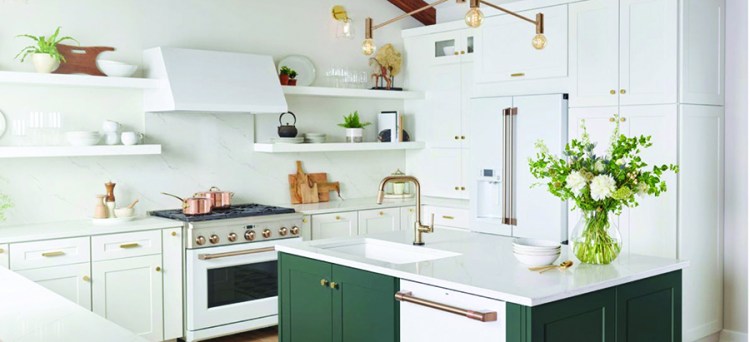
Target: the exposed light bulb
pixel 368 47
pixel 539 41
pixel 474 17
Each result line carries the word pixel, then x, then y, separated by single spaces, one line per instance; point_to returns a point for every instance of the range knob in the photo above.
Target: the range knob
pixel 214 239
pixel 249 235
pixel 266 233
pixel 283 231
pixel 200 241
pixel 232 237
pixel 295 230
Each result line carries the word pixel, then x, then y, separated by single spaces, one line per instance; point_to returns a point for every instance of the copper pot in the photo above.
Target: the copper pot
pixel 194 205
pixel 219 199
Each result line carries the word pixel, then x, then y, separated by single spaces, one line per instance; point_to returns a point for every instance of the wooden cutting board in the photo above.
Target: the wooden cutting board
pixel 302 185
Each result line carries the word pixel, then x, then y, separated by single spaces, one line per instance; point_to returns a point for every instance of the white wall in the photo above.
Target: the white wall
pixel 736 176
pixel 200 150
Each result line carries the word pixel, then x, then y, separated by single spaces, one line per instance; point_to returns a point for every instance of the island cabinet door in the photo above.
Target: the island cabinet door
pixel 305 300
pixel 589 317
pixel 650 309
pixel 364 308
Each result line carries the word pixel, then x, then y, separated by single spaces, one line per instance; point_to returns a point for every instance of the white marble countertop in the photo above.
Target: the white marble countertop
pixel 366 203
pixel 29 313
pixel 67 229
pixel 486 267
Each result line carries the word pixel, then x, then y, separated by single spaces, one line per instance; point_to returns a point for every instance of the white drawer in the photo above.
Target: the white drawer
pixel 39 254
pixel 4 260
pixel 118 246
pixel 447 217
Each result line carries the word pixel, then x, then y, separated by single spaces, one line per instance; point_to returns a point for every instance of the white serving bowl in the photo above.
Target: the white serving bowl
pixel 536 260
pixel 116 69
pixel 535 244
pixel 449 50
pixel 83 138
pixel 124 212
pixel 550 252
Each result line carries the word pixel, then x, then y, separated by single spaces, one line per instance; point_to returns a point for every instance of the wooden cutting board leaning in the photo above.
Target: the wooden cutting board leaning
pixel 311 187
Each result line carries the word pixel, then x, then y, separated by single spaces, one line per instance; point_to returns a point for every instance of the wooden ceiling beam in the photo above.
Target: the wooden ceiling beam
pixel 426 17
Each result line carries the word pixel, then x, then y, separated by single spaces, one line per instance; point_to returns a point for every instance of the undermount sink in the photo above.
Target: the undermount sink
pixel 391 252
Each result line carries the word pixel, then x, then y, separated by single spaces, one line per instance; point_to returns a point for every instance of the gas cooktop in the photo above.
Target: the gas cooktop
pixel 235 211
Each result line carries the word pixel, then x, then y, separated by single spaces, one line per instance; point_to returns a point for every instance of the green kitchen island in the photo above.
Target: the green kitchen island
pixel 468 287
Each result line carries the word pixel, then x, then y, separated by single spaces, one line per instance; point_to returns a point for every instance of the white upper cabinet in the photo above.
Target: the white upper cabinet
pixel 623 52
pixel 648 52
pixel 452 47
pixel 444 105
pixel 594 53
pixel 504 50
pixel 702 43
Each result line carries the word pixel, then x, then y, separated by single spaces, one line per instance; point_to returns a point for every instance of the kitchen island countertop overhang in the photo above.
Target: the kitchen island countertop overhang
pixel 485 266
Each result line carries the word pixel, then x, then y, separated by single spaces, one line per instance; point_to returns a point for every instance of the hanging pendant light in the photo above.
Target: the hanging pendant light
pixel 474 16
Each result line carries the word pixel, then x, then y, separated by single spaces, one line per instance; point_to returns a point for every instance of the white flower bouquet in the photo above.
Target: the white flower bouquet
pixel 598 186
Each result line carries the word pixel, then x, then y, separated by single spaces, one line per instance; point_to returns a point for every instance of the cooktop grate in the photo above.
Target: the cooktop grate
pixel 235 211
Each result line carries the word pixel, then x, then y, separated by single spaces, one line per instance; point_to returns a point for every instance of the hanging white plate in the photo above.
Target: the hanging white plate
pixel 303 66
pixel 3 124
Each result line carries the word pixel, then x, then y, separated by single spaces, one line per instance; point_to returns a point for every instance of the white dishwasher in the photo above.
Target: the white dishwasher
pixel 430 314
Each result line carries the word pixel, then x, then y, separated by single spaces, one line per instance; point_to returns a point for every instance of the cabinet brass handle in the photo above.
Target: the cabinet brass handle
pixel 324 283
pixel 86 278
pixel 518 74
pixel 623 119
pixel 613 91
pixel 448 217
pixel 463 188
pixel 463 52
pixel 334 285
pixel 622 91
pixel 463 137
pixel 611 119
pixel 381 213
pixel 174 234
pixel 456 188
pixel 455 138
pixel 411 210
pixel 338 218
pixel 129 245
pixel 455 53
pixel 304 220
pixel 158 269
pixel 53 254
pixel 478 315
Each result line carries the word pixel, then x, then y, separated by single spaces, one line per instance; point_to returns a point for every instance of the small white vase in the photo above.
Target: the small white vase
pixel 355 135
pixel 44 63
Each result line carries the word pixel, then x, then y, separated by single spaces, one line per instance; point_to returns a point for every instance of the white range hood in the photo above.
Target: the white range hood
pixel 212 81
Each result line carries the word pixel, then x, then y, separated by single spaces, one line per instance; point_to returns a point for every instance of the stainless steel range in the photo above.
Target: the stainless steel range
pixel 230 267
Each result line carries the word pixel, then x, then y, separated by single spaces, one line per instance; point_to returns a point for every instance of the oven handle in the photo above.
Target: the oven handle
pixel 235 253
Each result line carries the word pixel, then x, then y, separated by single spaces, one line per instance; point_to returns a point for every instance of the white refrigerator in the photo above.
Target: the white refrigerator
pixel 503 134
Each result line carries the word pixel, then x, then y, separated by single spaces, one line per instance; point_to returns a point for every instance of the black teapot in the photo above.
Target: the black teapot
pixel 287 131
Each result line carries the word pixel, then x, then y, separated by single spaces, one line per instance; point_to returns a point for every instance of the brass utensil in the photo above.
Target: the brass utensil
pixel 541 269
pixel 132 205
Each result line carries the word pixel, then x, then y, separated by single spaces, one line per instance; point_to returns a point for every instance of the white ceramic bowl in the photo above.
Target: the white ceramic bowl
pixel 449 50
pixel 81 139
pixel 535 244
pixel 536 260
pixel 124 212
pixel 535 253
pixel 116 69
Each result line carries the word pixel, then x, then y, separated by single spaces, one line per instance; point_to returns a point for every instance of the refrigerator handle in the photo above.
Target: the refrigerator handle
pixel 513 114
pixel 506 167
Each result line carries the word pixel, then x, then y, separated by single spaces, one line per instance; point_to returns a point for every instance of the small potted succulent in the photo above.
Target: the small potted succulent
pixel 284 75
pixel 354 128
pixel 292 77
pixel 44 54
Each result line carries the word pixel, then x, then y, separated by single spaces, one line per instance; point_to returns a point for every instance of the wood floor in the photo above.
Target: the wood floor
pixel 263 335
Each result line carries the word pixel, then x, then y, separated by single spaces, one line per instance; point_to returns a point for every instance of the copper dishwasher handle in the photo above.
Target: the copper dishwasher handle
pixel 482 316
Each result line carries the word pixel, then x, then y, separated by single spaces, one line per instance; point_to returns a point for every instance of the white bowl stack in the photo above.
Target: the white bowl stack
pixel 315 138
pixel 536 252
pixel 83 138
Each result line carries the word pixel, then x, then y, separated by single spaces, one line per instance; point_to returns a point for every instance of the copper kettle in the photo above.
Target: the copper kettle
pixel 287 131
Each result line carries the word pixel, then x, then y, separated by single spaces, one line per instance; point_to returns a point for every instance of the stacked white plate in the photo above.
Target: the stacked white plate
pixel 297 140
pixel 83 138
pixel 315 138
pixel 536 252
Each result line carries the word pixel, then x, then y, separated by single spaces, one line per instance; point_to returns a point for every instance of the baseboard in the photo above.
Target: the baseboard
pixel 732 336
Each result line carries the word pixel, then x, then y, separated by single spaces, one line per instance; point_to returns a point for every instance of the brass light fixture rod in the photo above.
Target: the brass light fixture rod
pixel 369 27
pixel 539 22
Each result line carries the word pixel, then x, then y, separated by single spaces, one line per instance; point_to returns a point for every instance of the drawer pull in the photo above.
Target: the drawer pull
pixel 448 217
pixel 518 74
pixel 381 213
pixel 86 278
pixel 324 282
pixel 158 269
pixel 482 316
pixel 130 245
pixel 235 253
pixel 53 254
pixel 174 234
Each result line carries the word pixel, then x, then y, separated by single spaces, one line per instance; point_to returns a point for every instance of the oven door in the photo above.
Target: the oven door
pixel 231 284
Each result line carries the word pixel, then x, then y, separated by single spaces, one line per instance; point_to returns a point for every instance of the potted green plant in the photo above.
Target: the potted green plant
pixel 284 75
pixel 292 77
pixel 354 128
pixel 44 54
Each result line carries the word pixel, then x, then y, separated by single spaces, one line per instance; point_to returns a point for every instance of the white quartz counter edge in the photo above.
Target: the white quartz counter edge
pixel 507 297
pixel 30 313
pixel 68 229
pixel 369 203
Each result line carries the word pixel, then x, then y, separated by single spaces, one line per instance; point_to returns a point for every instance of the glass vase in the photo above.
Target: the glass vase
pixel 596 239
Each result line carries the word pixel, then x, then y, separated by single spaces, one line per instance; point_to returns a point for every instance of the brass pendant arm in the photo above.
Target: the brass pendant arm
pixel 369 27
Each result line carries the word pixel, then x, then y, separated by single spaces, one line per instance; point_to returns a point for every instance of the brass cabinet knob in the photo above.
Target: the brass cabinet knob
pixel 455 53
pixel 86 278
pixel 411 210
pixel 214 239
pixel 463 137
pixel 324 283
pixel 623 119
pixel 611 119
pixel 613 92
pixel 463 52
pixel 200 241
pixel 250 235
pixel 381 213
pixel 2 251
pixel 338 218
pixel 456 188
pixel 334 285
pixel 304 220
pixel 622 91
pixel 455 138
pixel 232 237
pixel 174 234
pixel 295 230
pixel 266 233
pixel 283 231
pixel 158 269
pixel 463 188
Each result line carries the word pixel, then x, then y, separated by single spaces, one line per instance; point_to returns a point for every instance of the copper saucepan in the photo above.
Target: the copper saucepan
pixel 194 205
pixel 219 199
